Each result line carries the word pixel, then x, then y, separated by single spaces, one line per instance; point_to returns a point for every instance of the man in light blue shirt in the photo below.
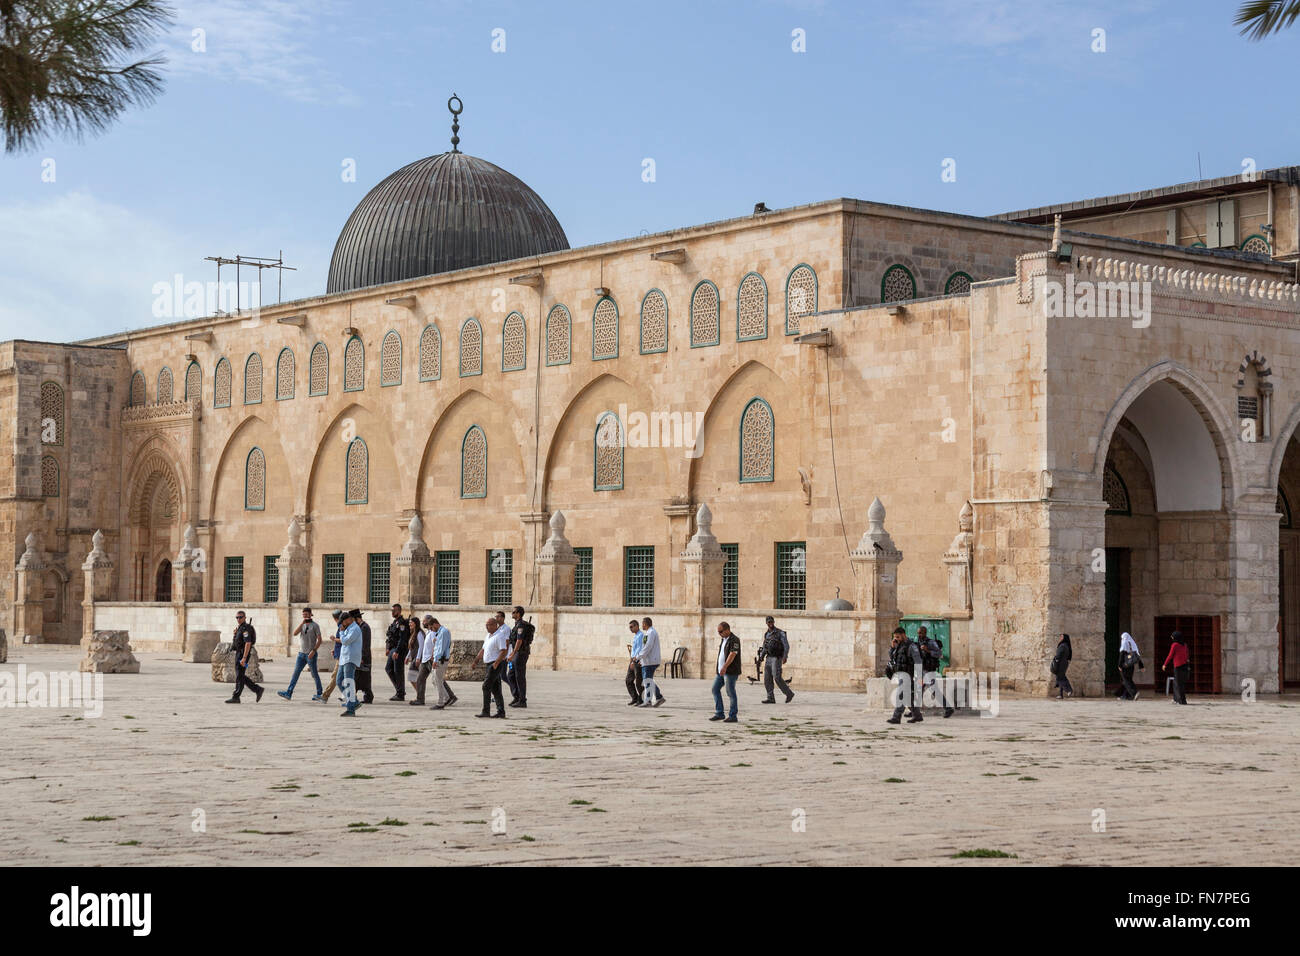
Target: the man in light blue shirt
pixel 439 653
pixel 349 639
pixel 633 682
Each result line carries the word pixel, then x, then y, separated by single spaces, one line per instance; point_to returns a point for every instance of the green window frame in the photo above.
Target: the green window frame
pixel 731 576
pixel 137 379
pixel 595 454
pixel 270 579
pixel 188 397
pixel 281 394
pixel 426 338
pixel 791 575
pixel 233 580
pixel 763 282
pixel 331 579
pixel 354 359
pixel 446 566
pixel 223 363
pixel 391 337
pixel 559 312
pixel 261 377
pixel 947 286
pixel 523 353
pixel 379 577
pixel 256 458
pixel 641 329
pixel 770 473
pixel 472 493
pixel 158 389
pixel 717 296
pixel 460 351
pixel 358 492
pixel 320 352
pixel 639 576
pixel 500 576
pixel 602 356
pixel 582 578
pixel 815 289
pixel 897 269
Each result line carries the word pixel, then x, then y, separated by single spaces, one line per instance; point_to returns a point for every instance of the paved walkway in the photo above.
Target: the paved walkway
pixel 581 778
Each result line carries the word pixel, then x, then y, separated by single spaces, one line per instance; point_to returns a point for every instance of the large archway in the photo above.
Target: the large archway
pixel 1288 612
pixel 154 522
pixel 1167 477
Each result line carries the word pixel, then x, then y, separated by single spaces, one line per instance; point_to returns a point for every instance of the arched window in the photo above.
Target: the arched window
pixel 958 284
pixel 193 382
pixel 51 413
pixel 704 314
pixel 390 360
pixel 607 455
pixel 286 372
pixel 137 389
pixel 255 481
pixel 164 395
pixel 654 322
pixel 604 330
pixel 253 380
pixel 751 308
pixel 1254 398
pixel 49 477
pixel 221 385
pixel 559 329
pixel 471 348
pixel 473 464
pixel 1257 244
pixel 1115 492
pixel 430 354
pixel 318 370
pixel 800 296
pixel 514 343
pixel 358 473
pixel 354 365
pixel 757 442
pixel 897 284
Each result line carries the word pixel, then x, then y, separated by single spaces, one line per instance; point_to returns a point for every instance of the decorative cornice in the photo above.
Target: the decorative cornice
pixel 172 411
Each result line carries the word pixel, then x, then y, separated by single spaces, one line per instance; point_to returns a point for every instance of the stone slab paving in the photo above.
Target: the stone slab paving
pixel 583 779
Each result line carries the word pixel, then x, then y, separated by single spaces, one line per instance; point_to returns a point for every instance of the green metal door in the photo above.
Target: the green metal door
pixel 934 626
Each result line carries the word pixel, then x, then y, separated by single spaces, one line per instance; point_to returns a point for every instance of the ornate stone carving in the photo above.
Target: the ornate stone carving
pixel 98 558
pixel 471 348
pixel 800 297
pixel 390 360
pixel 354 365
pixel 704 314
pixel 473 464
pixel 751 308
pixel 253 380
pixel 757 442
pixel 559 327
pixel 165 387
pixel 286 373
pixel 179 411
pixel 702 562
pixel 430 354
pixel 52 408
pixel 514 335
pixel 318 370
pixel 654 322
pixel 32 559
pixel 604 330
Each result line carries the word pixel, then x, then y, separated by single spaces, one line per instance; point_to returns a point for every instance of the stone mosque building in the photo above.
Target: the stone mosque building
pixel 1008 429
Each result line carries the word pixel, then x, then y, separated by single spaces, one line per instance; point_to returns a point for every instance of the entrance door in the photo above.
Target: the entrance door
pixel 1117 609
pixel 163 582
pixel 1201 635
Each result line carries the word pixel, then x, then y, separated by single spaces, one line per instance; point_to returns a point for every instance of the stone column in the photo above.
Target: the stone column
pixel 414 567
pixel 187 570
pixel 702 564
pixel 293 567
pixel 877 560
pixel 29 593
pixel 98 569
pixel 1248 636
pixel 556 566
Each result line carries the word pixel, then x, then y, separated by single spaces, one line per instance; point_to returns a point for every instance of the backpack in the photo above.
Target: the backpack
pixel 931 653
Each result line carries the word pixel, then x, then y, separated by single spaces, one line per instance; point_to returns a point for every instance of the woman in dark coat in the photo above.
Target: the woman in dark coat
pixel 1060 664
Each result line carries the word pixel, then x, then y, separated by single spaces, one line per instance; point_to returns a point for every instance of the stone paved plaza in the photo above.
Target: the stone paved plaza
pixel 584 779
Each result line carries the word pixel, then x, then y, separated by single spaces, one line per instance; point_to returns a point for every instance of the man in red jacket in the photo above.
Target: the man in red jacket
pixel 1178 657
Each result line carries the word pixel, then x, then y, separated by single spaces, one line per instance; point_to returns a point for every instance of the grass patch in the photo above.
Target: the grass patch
pixel 698 767
pixel 596 810
pixel 895 780
pixel 839 763
pixel 129 843
pixel 982 854
pixel 742 765
pixel 545 756
pixel 285 786
pixel 128 717
pixel 988 775
pixel 474 821
pixel 528 838
pixel 258 832
pixel 1175 737
pixel 311 795
pixel 392 822
pixel 96 819
pixel 358 776
pixel 430 823
pixel 1028 778
pixel 404 773
pixel 411 731
pixel 364 830
pixel 579 803
pixel 361 824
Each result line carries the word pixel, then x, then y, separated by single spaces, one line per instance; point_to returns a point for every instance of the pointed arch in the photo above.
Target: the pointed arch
pixel 286 375
pixel 473 463
pixel 253 379
pixel 608 443
pixel 354 365
pixel 471 348
pixel 559 335
pixel 705 309
pixel 163 395
pixel 255 480
pixel 897 284
pixel 318 370
pixel 757 442
pixel 769 383
pixel 751 308
pixel 137 393
pixel 193 382
pixel 53 410
pixel 222 384
pixel 155 464
pixel 49 477
pixel 430 354
pixel 390 360
pixel 604 330
pixel 800 296
pixel 514 343
pixel 654 322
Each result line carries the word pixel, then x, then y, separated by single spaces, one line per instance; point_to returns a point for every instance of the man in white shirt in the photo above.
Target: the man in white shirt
pixel 650 659
pixel 493 654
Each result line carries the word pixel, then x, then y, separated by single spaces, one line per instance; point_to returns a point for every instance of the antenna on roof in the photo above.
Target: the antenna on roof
pixel 253 262
pixel 455 121
pixel 1199 177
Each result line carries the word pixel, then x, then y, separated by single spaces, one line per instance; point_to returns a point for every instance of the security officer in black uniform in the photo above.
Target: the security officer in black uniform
pixel 520 646
pixel 363 669
pixel 905 658
pixel 395 645
pixel 242 644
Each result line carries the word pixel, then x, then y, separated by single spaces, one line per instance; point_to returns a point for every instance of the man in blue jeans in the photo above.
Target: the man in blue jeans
pixel 728 671
pixel 308 632
pixel 349 657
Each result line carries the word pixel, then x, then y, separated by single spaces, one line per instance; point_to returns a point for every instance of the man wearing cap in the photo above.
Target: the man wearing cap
pixel 776 647
pixel 363 668
pixel 396 644
pixel 350 641
pixel 493 654
pixel 242 644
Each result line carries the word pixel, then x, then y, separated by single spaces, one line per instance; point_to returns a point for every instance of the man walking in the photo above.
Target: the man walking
pixel 350 649
pixel 633 681
pixel 776 647
pixel 728 671
pixel 421 655
pixel 439 650
pixel 521 643
pixel 242 644
pixel 493 654
pixel 363 669
pixel 335 650
pixel 650 659
pixel 905 660
pixel 1178 656
pixel 396 644
pixel 308 634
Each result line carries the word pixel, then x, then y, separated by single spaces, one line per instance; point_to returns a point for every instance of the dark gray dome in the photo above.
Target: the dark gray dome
pixel 446 212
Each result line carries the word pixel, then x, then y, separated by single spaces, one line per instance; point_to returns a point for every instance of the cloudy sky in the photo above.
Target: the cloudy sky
pixel 244 152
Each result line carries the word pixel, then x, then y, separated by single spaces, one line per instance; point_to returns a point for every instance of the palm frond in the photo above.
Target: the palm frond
pixel 1261 18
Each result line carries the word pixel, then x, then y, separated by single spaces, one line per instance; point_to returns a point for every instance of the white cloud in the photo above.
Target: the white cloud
pixel 269 43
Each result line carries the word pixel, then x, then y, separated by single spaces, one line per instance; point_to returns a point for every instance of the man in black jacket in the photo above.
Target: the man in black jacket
pixel 905 660
pixel 521 644
pixel 363 669
pixel 395 646
pixel 242 644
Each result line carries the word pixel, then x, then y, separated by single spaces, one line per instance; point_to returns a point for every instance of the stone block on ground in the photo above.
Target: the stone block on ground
pixel 109 652
pixel 199 646
pixel 223 665
pixel 461 666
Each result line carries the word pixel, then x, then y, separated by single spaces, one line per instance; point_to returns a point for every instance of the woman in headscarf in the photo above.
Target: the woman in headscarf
pixel 1129 658
pixel 1061 663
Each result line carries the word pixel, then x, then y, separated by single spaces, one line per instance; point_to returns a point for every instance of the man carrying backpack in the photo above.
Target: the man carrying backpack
pixel 905 660
pixel 931 663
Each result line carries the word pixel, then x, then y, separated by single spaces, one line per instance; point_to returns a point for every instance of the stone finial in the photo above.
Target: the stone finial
pixel 293 548
pixel 961 543
pixel 557 549
pixel 703 543
pixel 189 548
pixel 414 549
pixel 98 557
pixel 966 519
pixel 31 559
pixel 1056 234
pixel 876 540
